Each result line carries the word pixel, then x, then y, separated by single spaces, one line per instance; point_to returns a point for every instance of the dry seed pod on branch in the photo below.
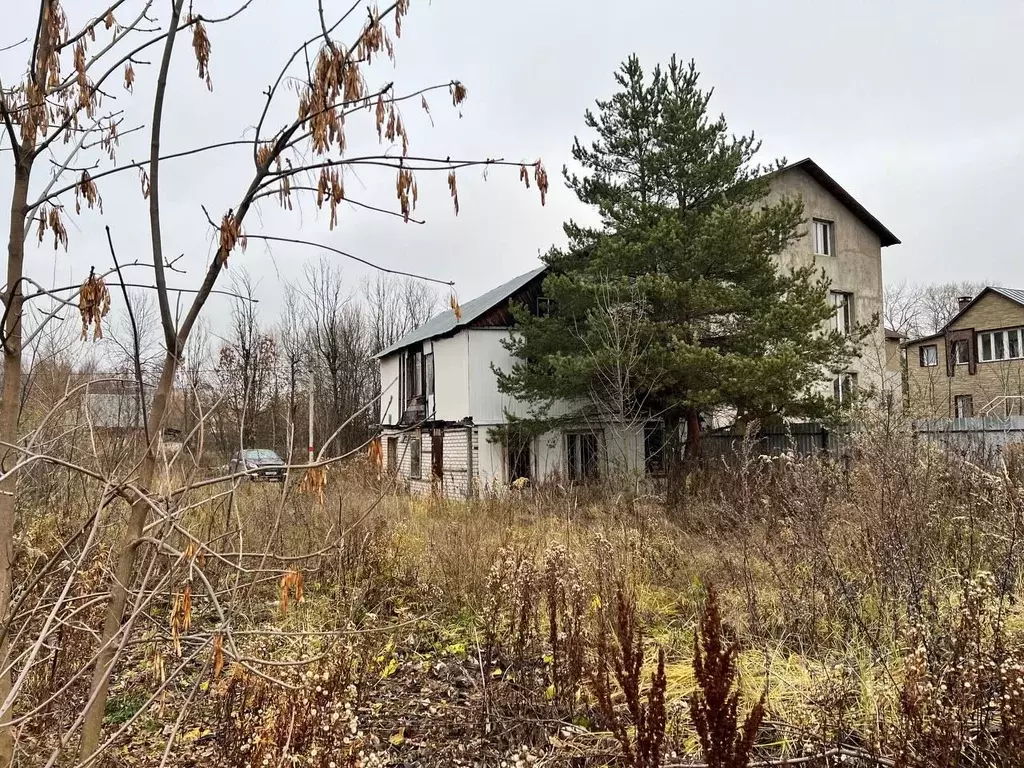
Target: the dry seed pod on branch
pixel 93 305
pixel 201 46
pixel 454 190
pixel 230 235
pixel 86 188
pixel 456 308
pixel 314 483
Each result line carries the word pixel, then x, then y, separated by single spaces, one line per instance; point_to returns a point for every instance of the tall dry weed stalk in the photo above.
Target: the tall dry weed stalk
pixel 714 706
pixel 618 669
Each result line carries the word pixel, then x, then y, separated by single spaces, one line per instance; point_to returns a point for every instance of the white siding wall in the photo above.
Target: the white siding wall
pixel 451 377
pixel 487 404
pixel 391 409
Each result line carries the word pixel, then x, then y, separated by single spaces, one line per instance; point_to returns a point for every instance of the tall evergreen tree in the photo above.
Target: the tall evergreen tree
pixel 685 225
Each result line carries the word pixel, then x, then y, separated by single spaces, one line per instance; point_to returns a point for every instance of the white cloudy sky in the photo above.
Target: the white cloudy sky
pixel 914 107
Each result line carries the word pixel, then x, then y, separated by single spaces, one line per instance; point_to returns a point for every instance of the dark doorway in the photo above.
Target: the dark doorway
pixel 437 455
pixel 392 455
pixel 518 459
pixel 581 456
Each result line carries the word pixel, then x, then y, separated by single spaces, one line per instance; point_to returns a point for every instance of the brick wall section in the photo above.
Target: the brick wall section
pixel 932 392
pixel 456 446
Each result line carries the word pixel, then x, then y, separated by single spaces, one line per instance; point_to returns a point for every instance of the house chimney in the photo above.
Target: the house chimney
pixel 963 301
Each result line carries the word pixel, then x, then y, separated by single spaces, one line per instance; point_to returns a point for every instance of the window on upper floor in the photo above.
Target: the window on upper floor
pixel 929 355
pixel 824 237
pixel 961 352
pixel 1000 345
pixel 414 375
pixel 545 306
pixel 428 372
pixel 844 387
pixel 842 318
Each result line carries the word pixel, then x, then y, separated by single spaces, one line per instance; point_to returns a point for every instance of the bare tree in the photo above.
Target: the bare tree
pixel 245 364
pixel 341 349
pixel 916 310
pixel 395 306
pixel 304 157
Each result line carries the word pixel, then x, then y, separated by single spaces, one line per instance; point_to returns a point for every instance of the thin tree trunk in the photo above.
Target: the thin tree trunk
pixel 92 724
pixel 9 410
pixel 674 479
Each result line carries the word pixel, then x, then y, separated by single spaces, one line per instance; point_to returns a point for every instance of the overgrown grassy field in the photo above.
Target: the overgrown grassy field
pixel 870 614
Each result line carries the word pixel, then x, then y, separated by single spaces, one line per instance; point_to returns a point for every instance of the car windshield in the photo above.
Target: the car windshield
pixel 262 454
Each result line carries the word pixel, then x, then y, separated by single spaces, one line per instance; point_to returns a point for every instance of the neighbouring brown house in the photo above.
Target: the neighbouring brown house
pixel 974 366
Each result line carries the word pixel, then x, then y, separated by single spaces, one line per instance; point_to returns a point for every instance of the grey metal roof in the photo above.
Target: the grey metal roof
pixel 445 322
pixel 1013 294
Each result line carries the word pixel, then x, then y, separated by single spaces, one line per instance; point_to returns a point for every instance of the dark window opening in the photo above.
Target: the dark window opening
pixel 581 456
pixel 654 448
pixel 929 355
pixel 428 368
pixel 392 455
pixel 414 375
pixel 518 459
pixel 545 306
pixel 415 446
pixel 437 454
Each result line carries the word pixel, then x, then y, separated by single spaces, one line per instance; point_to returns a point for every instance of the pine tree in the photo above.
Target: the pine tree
pixel 685 225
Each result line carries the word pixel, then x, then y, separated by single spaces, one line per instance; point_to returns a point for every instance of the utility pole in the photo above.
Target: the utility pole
pixel 310 387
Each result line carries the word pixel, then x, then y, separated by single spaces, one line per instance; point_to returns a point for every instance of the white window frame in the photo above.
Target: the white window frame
pixel 842 314
pixel 954 349
pixel 824 233
pixel 989 338
pixel 923 359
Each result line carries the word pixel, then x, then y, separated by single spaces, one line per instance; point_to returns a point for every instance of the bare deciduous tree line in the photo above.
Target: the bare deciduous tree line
pixel 919 309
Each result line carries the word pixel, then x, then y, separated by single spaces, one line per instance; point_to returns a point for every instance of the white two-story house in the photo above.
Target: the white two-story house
pixel 441 402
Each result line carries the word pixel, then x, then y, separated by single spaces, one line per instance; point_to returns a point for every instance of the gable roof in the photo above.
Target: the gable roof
pixel 891 335
pixel 446 323
pixel 1015 295
pixel 816 172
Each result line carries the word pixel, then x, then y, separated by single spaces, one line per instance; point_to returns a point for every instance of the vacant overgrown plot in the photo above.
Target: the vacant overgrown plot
pixel 82 78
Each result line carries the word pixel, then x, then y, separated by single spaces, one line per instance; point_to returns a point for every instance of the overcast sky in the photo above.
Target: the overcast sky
pixel 913 107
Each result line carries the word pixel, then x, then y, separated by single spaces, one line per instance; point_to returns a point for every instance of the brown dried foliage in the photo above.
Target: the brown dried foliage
pixel 93 305
pixel 49 219
pixel 291 584
pixel 230 235
pixel 714 705
pixel 337 82
pixel 453 190
pixel 620 658
pixel 453 302
pixel 314 482
pixel 458 92
pixel 181 616
pixel 86 188
pixel 408 194
pixel 330 187
pixel 312 723
pixel 129 77
pixel 201 47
